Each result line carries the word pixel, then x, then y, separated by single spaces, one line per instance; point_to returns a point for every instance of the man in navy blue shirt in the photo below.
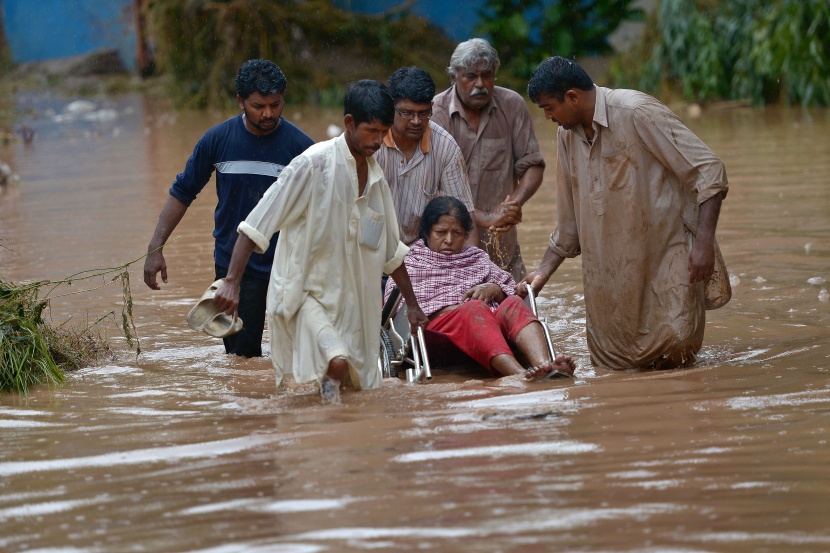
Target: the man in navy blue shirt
pixel 248 152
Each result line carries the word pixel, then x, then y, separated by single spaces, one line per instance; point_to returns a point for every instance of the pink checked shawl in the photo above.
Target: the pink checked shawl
pixel 439 280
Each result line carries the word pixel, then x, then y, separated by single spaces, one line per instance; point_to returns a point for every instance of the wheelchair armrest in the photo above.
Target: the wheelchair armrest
pixel 390 306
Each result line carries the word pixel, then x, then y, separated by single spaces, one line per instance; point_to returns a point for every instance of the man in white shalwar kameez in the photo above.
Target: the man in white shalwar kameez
pixel 338 234
pixel 638 197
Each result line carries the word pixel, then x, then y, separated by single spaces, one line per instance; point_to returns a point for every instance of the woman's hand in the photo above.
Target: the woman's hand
pixel 487 292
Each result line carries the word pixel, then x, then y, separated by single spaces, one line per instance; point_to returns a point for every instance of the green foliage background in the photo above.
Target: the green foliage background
pixel 703 50
pixel 202 43
pixel 762 50
pixel 30 350
pixel 525 32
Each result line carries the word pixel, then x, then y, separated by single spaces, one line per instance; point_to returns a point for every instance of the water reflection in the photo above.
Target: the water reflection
pixel 185 449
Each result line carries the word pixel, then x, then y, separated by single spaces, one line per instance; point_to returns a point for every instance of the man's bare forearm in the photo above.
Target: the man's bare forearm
pixel 226 297
pixel 171 215
pixel 242 250
pixel 401 278
pixel 538 278
pixel 414 313
pixel 529 184
pixel 707 220
pixel 482 218
pixel 702 256
pixel 550 262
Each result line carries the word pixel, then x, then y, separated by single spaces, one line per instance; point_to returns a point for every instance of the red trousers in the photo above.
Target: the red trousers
pixel 482 334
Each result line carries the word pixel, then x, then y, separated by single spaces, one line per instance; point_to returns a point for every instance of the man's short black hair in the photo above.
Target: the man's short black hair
pixel 261 76
pixel 411 83
pixel 555 76
pixel 367 100
pixel 440 206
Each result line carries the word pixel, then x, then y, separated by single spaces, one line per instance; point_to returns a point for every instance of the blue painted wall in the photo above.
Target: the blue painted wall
pixel 46 29
pixel 457 19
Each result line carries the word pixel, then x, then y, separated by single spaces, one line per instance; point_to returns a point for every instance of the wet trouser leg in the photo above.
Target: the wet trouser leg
pixel 253 293
pixel 513 315
pixel 473 328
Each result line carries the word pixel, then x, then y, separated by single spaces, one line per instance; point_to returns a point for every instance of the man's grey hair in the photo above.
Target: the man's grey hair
pixel 470 55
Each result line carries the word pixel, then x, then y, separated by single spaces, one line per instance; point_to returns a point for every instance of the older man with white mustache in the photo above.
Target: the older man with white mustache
pixel 494 129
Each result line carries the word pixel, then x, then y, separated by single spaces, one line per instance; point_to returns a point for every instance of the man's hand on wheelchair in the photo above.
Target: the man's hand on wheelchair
pixel 535 280
pixel 416 318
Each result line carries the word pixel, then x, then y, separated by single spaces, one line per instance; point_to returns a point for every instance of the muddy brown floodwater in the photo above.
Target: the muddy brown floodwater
pixel 186 449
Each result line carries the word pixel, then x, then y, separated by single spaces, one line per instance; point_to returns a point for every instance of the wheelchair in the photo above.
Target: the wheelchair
pixel 401 351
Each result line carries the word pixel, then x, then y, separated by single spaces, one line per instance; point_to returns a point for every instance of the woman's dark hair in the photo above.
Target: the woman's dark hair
pixel 261 76
pixel 368 100
pixel 440 206
pixel 555 76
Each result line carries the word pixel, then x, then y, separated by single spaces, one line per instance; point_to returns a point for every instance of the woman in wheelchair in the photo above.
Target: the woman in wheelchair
pixel 472 301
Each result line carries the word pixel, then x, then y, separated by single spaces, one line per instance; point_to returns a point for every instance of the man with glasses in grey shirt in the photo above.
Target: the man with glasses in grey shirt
pixel 420 160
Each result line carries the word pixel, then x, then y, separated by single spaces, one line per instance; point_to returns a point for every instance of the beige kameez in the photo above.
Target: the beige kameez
pixel 628 203
pixel 497 154
pixel 324 298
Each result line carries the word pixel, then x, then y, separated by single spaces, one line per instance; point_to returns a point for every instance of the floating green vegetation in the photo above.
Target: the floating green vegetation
pixel 525 32
pixel 34 352
pixel 26 356
pixel 761 50
pixel 201 44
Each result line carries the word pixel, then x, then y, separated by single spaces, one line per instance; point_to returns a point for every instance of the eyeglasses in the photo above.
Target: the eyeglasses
pixel 411 116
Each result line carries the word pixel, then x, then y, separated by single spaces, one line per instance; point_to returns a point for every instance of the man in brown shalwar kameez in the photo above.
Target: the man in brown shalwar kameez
pixel 494 129
pixel 638 196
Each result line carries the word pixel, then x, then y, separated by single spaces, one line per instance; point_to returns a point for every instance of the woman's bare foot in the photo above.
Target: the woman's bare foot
pixel 561 366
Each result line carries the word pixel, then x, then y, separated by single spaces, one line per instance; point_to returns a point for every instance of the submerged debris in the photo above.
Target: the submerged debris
pixel 6 174
pixel 32 351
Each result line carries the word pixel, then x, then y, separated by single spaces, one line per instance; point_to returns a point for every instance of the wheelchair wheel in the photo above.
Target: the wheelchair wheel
pixel 387 349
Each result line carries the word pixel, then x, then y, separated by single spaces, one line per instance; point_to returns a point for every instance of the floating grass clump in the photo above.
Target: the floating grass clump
pixel 26 340
pixel 26 359
pixel 34 352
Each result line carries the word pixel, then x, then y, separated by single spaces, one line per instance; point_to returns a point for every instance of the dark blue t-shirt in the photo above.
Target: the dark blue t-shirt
pixel 246 165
